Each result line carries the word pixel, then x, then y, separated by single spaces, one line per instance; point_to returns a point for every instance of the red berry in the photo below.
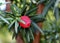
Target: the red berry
pixel 27 21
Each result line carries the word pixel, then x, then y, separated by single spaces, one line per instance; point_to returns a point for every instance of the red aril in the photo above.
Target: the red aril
pixel 27 21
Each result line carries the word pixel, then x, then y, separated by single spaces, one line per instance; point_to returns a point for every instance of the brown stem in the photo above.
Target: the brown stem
pixel 19 39
pixel 37 36
pixel 8 6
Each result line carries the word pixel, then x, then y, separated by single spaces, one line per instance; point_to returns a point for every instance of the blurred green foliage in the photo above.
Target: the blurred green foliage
pixel 5 35
pixel 51 26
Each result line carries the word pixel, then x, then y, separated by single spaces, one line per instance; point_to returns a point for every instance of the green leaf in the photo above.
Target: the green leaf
pixel 37 18
pixel 2 13
pixel 19 28
pixel 7 12
pixel 41 1
pixel 47 7
pixel 28 37
pixel 30 5
pixel 37 27
pixel 32 36
pixel 23 10
pixel 1 3
pixel 17 9
pixel 12 7
pixel 23 32
pixel 9 18
pixel 11 25
pixel 30 11
pixel 56 13
pixel 16 27
pixel 25 41
pixel 2 18
pixel 24 3
pixel 13 35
